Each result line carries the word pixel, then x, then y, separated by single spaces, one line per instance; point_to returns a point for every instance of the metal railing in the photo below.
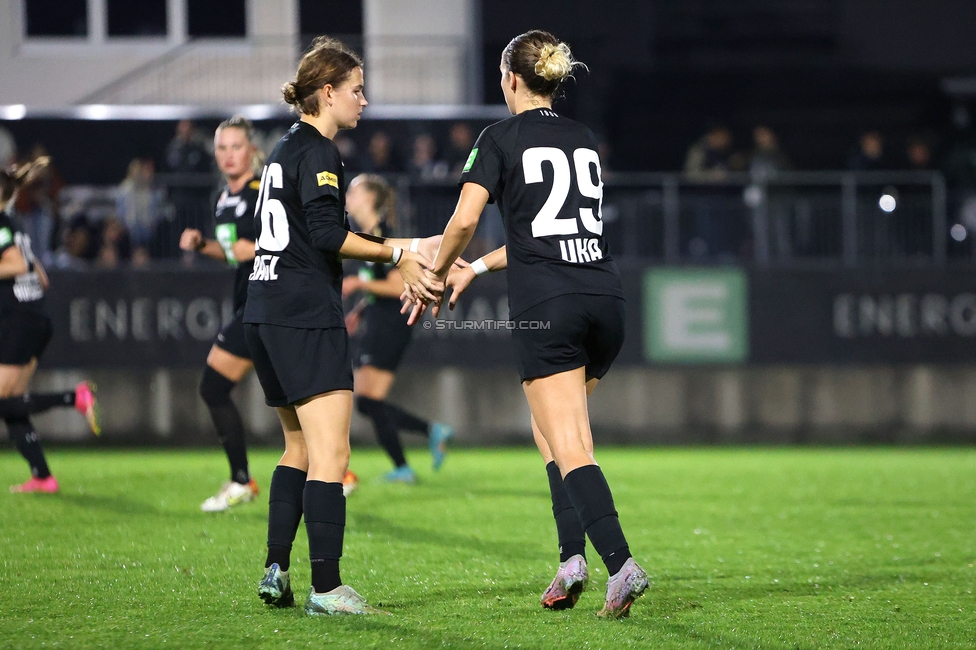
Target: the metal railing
pixel 845 219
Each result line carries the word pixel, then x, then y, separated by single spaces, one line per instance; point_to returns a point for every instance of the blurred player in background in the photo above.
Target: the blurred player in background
pixel 229 359
pixel 294 322
pixel 544 171
pixel 381 333
pixel 25 331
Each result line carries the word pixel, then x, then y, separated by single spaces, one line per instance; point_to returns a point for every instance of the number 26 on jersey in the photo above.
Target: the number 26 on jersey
pixel 274 235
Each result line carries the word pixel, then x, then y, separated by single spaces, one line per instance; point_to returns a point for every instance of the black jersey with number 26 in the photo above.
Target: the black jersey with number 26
pixel 234 220
pixel 23 292
pixel 544 171
pixel 293 284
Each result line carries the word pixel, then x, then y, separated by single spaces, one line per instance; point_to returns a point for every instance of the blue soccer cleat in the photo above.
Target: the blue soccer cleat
pixel 439 434
pixel 404 474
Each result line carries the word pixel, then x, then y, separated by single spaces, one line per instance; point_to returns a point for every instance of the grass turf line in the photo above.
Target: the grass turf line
pixel 746 548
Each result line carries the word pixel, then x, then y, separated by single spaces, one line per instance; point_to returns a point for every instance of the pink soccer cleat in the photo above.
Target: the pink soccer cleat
pixel 570 581
pixel 623 588
pixel 86 404
pixel 47 485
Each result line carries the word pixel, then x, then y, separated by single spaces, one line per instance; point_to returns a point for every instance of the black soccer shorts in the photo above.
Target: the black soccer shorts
pixel 231 338
pixel 382 338
pixel 24 335
pixel 293 363
pixel 569 332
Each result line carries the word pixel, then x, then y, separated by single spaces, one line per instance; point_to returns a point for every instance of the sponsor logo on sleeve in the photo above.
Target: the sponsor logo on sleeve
pixel 470 163
pixel 327 178
pixel 5 236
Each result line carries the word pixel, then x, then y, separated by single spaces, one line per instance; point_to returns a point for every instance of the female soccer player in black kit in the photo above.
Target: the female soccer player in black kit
pixel 229 359
pixel 25 331
pixel 294 325
pixel 544 172
pixel 381 334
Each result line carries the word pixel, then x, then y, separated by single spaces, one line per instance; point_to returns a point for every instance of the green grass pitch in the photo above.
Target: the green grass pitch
pixel 746 548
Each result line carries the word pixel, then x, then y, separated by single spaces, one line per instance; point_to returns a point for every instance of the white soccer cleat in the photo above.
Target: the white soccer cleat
pixel 231 494
pixel 341 600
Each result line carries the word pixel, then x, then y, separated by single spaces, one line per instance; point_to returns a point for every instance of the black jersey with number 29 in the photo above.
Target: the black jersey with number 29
pixel 292 283
pixel 544 171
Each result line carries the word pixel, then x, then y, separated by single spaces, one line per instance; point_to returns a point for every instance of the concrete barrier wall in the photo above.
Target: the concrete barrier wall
pixel 831 405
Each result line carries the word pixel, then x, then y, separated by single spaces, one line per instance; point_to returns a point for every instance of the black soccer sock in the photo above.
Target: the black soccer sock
pixel 386 431
pixel 325 523
pixel 23 436
pixel 588 490
pixel 285 499
pixel 215 391
pixel 30 403
pixel 407 421
pixel 572 539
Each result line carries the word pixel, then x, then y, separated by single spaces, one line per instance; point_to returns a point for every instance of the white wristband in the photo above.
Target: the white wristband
pixel 415 245
pixel 397 254
pixel 479 267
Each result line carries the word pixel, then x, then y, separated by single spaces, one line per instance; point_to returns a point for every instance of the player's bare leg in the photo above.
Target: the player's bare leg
pixel 559 408
pixel 325 422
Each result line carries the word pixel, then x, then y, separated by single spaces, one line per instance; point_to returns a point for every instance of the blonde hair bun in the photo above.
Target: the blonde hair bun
pixel 555 62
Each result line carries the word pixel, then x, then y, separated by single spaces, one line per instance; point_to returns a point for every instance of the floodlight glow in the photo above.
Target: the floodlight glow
pixel 13 112
pixel 887 203
pixel 958 232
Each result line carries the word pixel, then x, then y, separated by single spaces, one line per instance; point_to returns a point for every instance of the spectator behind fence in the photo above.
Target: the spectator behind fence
pixel 380 157
pixel 869 154
pixel 424 164
pixel 766 157
pixel 79 241
pixel 116 246
pixel 38 205
pixel 770 206
pixel 187 153
pixel 347 149
pixel 714 230
pixel 140 207
pixel 711 157
pixel 460 142
pixel 918 153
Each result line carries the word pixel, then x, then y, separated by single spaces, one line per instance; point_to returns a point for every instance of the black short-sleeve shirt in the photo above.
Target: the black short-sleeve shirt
pixel 292 283
pixel 543 170
pixel 233 221
pixel 23 292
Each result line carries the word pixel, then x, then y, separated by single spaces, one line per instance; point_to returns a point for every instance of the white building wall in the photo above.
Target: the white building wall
pixel 421 52
pixel 57 72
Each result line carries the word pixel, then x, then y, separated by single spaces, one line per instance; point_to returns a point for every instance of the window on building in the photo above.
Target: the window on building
pixel 216 18
pixel 56 17
pixel 341 19
pixel 142 18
